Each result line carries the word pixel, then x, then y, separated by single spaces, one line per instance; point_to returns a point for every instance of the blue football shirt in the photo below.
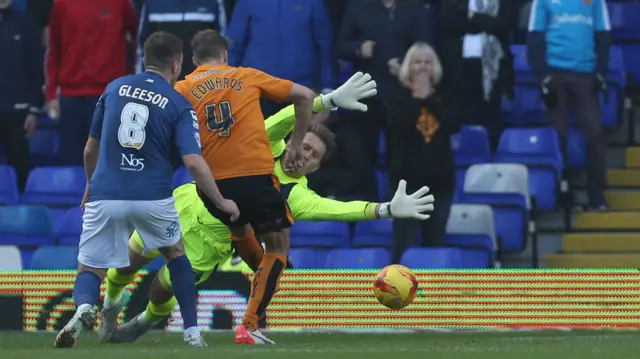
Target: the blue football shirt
pixel 139 121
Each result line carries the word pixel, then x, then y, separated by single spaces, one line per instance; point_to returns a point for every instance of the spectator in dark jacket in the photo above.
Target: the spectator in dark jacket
pixel 20 87
pixel 421 118
pixel 474 44
pixel 87 49
pixel 375 35
pixel 183 19
pixel 290 39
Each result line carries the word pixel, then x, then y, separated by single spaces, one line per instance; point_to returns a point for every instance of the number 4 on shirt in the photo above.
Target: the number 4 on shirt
pixel 221 122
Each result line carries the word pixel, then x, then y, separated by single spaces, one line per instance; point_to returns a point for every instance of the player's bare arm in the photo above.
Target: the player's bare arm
pixel 91 151
pixel 302 98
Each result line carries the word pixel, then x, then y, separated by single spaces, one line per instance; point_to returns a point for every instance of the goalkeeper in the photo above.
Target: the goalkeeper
pixel 207 241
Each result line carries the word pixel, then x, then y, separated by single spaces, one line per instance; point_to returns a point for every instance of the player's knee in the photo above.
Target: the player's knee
pixel 158 294
pixel 101 273
pixel 175 251
pixel 276 242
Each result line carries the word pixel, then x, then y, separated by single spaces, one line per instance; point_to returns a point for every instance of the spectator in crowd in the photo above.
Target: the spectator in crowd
pixel 183 19
pixel 568 48
pixel 87 49
pixel 422 116
pixel 285 38
pixel 20 87
pixel 475 39
pixel 375 35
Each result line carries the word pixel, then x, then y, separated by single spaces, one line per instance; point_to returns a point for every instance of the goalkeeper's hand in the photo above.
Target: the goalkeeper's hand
pixel 413 205
pixel 348 95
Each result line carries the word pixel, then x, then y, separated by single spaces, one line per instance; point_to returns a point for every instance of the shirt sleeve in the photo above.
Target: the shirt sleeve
pixel 271 87
pixel 98 118
pixel 187 133
pixel 538 16
pixel 182 88
pixel 601 16
pixel 281 124
pixel 306 205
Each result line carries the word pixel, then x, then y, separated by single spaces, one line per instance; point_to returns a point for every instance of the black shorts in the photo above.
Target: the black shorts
pixel 258 199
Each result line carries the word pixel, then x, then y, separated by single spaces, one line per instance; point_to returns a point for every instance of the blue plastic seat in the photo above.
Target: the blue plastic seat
pixel 471 228
pixel 505 187
pixel 55 186
pixel 533 109
pixel 8 185
pixel 376 233
pixel 384 189
pixel 55 257
pixel 44 147
pixel 25 225
pixel 470 146
pixel 539 150
pixel 303 258
pixel 523 71
pixel 320 234
pixel 357 258
pixel 70 227
pixel 432 258
pixel 181 176
pixel 382 149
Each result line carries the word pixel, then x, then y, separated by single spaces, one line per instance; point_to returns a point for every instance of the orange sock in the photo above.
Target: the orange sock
pixel 249 249
pixel 264 285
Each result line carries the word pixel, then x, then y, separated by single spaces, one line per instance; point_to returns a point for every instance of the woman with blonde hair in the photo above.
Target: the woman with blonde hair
pixel 421 117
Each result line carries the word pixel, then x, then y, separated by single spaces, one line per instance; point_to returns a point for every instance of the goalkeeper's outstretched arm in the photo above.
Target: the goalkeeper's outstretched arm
pixel 306 205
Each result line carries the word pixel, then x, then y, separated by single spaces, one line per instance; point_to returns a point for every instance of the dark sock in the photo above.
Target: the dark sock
pixel 183 284
pixel 86 290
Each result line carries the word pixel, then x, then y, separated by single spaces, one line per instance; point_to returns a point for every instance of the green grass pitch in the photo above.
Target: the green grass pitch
pixel 490 345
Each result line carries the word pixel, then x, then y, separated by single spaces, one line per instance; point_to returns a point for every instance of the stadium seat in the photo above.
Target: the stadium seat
pixel 470 146
pixel 25 225
pixel 384 189
pixel 432 258
pixel 382 149
pixel 320 234
pixel 524 74
pixel 10 258
pixel 357 258
pixel 55 186
pixel 181 176
pixel 471 228
pixel 377 233
pixel 303 258
pixel 55 257
pixel 70 227
pixel 539 150
pixel 505 187
pixel 8 185
pixel 44 147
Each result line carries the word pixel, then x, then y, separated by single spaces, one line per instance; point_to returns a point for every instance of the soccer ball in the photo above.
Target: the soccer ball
pixel 395 286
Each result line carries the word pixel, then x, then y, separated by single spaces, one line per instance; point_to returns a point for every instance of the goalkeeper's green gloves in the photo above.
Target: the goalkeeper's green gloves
pixel 348 96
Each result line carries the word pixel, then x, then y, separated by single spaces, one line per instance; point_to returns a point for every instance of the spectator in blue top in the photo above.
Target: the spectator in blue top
pixel 568 48
pixel 291 39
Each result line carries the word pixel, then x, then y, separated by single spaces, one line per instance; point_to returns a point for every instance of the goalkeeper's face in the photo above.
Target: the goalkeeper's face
pixel 313 151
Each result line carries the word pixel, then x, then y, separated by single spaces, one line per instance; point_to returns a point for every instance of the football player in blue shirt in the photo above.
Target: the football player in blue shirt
pixel 138 122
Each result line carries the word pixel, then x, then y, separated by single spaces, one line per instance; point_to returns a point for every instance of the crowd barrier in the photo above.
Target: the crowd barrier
pixel 343 300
